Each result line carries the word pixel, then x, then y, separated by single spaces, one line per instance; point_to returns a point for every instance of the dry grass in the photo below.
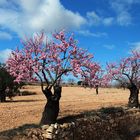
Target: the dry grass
pixel 28 109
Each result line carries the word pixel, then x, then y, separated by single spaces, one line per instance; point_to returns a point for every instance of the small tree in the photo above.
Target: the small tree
pixel 96 80
pixel 128 69
pixel 79 83
pixel 7 85
pixel 48 62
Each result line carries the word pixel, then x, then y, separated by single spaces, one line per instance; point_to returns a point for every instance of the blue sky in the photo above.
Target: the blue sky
pixel 109 29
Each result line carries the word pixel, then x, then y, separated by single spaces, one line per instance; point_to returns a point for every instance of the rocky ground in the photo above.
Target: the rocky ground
pixel 24 112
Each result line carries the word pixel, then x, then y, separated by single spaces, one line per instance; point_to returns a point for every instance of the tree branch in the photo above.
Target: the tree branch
pixel 59 76
pixel 49 74
pixel 45 78
pixel 42 85
pixel 127 75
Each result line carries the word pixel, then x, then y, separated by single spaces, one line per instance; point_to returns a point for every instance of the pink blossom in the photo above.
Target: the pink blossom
pixel 50 61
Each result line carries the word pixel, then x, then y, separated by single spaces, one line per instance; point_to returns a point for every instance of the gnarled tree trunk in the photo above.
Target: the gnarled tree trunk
pixel 51 109
pixel 133 99
pixel 2 96
pixel 97 87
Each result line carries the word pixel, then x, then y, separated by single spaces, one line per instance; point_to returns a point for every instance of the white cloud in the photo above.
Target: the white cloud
pixel 124 18
pixel 109 46
pixel 36 15
pixel 122 9
pixel 4 55
pixel 88 33
pixel 5 36
pixel 2 2
pixel 94 19
pixel 108 21
pixel 25 17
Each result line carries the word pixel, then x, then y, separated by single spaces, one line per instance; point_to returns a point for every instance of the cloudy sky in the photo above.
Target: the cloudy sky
pixel 109 29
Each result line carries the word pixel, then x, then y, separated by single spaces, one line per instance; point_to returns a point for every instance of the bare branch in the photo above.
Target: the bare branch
pixel 59 76
pixel 42 85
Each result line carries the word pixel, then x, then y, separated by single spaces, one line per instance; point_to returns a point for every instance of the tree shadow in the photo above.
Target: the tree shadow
pixel 66 119
pixel 18 130
pixel 16 101
pixel 123 129
pixel 102 113
pixel 27 93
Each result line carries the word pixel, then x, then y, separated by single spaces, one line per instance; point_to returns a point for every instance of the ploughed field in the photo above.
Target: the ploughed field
pixel 28 109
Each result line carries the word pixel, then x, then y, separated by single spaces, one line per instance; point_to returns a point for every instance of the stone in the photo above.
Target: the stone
pixel 56 126
pixel 48 136
pixel 65 125
pixel 34 137
pixel 50 129
pixel 56 132
pixel 111 121
pixel 73 124
pixel 44 127
pixel 4 138
pixel 52 125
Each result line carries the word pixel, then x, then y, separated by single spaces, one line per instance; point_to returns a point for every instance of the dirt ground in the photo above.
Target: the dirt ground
pixel 28 109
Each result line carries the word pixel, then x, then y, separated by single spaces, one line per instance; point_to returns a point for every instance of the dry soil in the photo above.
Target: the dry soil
pixel 28 109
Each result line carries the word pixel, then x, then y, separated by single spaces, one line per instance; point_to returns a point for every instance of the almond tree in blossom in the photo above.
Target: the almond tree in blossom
pixel 98 79
pixel 128 69
pixel 49 62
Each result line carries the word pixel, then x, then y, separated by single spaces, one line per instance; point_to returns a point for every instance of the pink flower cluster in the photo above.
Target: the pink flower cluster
pixel 51 60
pixel 128 68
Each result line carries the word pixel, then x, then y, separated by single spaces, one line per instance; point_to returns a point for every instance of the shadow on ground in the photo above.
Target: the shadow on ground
pixel 16 101
pixel 18 130
pixel 127 124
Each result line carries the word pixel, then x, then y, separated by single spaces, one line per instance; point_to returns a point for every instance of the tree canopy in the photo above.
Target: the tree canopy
pixel 48 60
pixel 127 71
